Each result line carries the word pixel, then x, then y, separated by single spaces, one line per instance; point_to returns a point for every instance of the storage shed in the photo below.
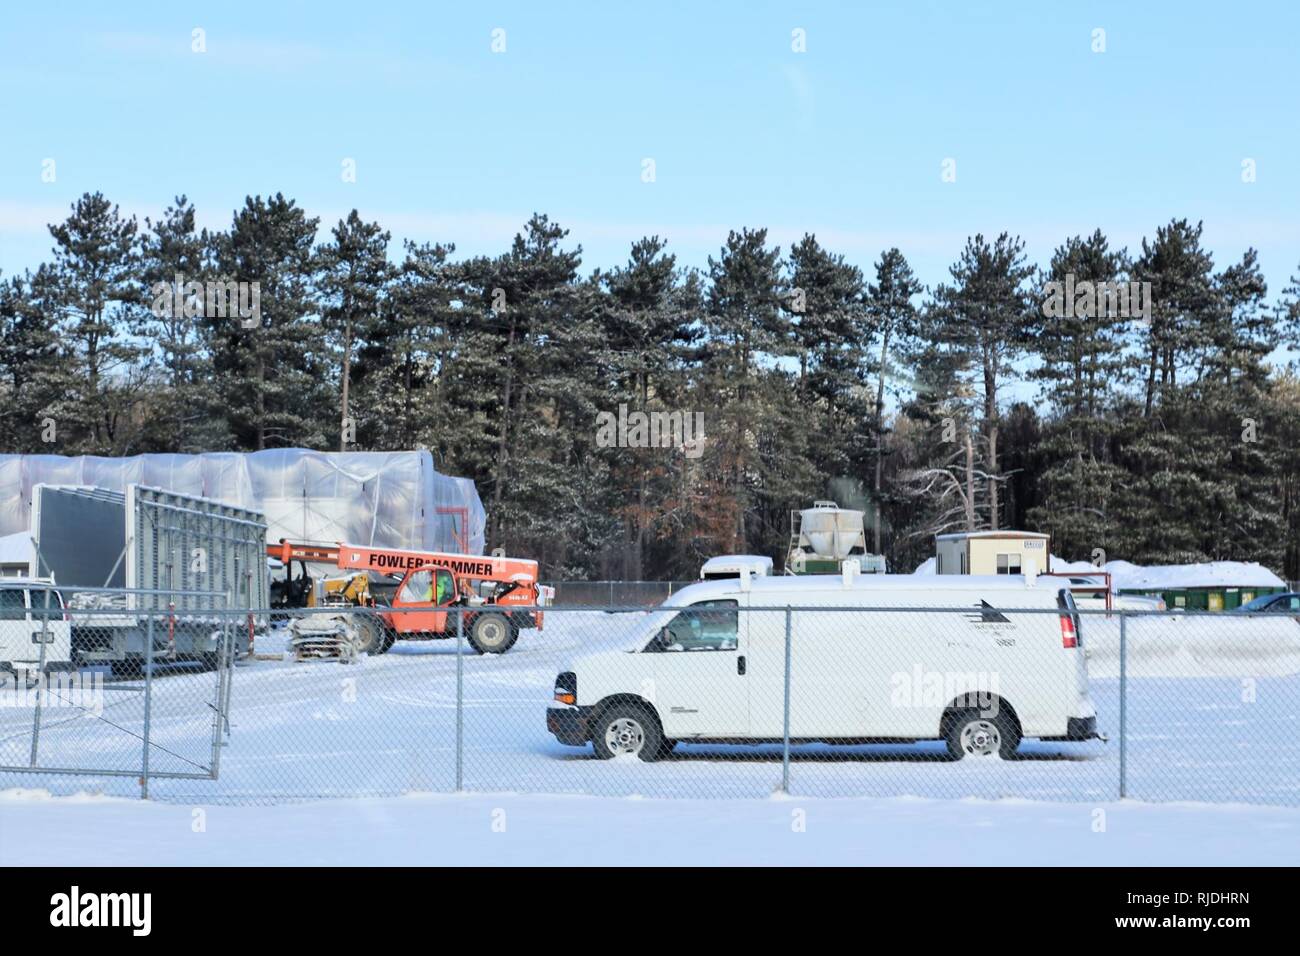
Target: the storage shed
pixel 992 552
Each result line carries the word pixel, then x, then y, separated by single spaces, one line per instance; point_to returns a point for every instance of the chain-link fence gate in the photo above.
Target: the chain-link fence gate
pixel 1044 703
pixel 106 690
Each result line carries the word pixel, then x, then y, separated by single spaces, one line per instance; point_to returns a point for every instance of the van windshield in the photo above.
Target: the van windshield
pixel 707 626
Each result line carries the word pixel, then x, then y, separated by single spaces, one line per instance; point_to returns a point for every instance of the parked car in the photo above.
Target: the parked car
pixel 1090 594
pixel 709 665
pixel 1288 603
pixel 24 625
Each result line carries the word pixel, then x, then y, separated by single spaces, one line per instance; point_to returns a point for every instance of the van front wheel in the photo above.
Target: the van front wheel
pixel 625 729
pixel 972 734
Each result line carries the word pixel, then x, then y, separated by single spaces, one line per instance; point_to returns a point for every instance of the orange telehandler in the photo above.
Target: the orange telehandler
pixel 428 583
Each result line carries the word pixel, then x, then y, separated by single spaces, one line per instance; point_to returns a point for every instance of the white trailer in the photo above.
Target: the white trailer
pixel 149 560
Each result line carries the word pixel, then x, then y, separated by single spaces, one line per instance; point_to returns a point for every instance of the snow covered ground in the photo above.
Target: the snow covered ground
pixel 1213 715
pixel 37 830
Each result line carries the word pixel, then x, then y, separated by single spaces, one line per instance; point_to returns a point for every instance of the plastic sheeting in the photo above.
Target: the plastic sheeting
pixel 389 499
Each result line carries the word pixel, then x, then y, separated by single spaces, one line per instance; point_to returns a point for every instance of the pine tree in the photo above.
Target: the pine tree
pixel 894 319
pixel 983 319
pixel 354 275
pixel 274 377
pixel 1081 348
pixel 31 368
pixel 1283 450
pixel 1200 485
pixel 1183 302
pixel 184 416
pixel 525 402
pixel 832 337
pixel 746 329
pixel 646 332
pixel 399 401
pixel 100 307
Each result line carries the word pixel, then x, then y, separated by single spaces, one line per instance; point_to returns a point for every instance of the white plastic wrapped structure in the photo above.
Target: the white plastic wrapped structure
pixel 389 499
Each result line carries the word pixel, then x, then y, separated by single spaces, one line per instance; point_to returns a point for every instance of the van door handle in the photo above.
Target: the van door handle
pixel 740 665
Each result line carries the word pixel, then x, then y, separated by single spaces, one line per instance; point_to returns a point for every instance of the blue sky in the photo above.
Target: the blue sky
pixel 453 142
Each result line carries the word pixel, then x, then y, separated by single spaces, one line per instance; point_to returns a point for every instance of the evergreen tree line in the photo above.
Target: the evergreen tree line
pixel 1166 437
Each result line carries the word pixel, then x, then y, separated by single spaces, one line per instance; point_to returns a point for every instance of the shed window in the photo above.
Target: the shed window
pixel 1008 564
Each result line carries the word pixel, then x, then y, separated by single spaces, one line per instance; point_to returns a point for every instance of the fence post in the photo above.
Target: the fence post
pixel 460 697
pixel 232 641
pixel 40 678
pixel 222 662
pixel 148 702
pixel 785 716
pixel 1123 704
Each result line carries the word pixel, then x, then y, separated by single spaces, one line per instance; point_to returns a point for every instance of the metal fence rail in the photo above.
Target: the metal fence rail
pixel 728 701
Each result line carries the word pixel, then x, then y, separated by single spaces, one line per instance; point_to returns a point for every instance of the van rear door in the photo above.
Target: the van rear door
pixel 1072 637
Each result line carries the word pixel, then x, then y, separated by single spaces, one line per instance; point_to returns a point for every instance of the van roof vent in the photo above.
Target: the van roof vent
pixel 851 568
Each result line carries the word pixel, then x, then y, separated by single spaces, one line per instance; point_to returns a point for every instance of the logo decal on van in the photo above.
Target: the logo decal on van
pixel 988 615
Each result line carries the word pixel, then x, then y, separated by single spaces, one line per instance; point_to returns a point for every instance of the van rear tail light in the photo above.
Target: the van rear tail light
pixel 1069 636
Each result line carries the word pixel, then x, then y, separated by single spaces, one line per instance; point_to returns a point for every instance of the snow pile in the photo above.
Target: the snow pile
pixel 1126 576
pixel 1074 567
pixel 1213 574
pixel 1197 645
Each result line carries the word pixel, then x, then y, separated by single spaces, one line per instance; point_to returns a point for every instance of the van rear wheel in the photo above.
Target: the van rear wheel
pixel 971 733
pixel 624 729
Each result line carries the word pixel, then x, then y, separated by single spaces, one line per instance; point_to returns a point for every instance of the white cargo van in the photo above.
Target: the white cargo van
pixel 23 603
pixel 873 658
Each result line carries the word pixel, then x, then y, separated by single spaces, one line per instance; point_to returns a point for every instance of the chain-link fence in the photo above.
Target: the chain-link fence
pixel 716 700
pixel 99 690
